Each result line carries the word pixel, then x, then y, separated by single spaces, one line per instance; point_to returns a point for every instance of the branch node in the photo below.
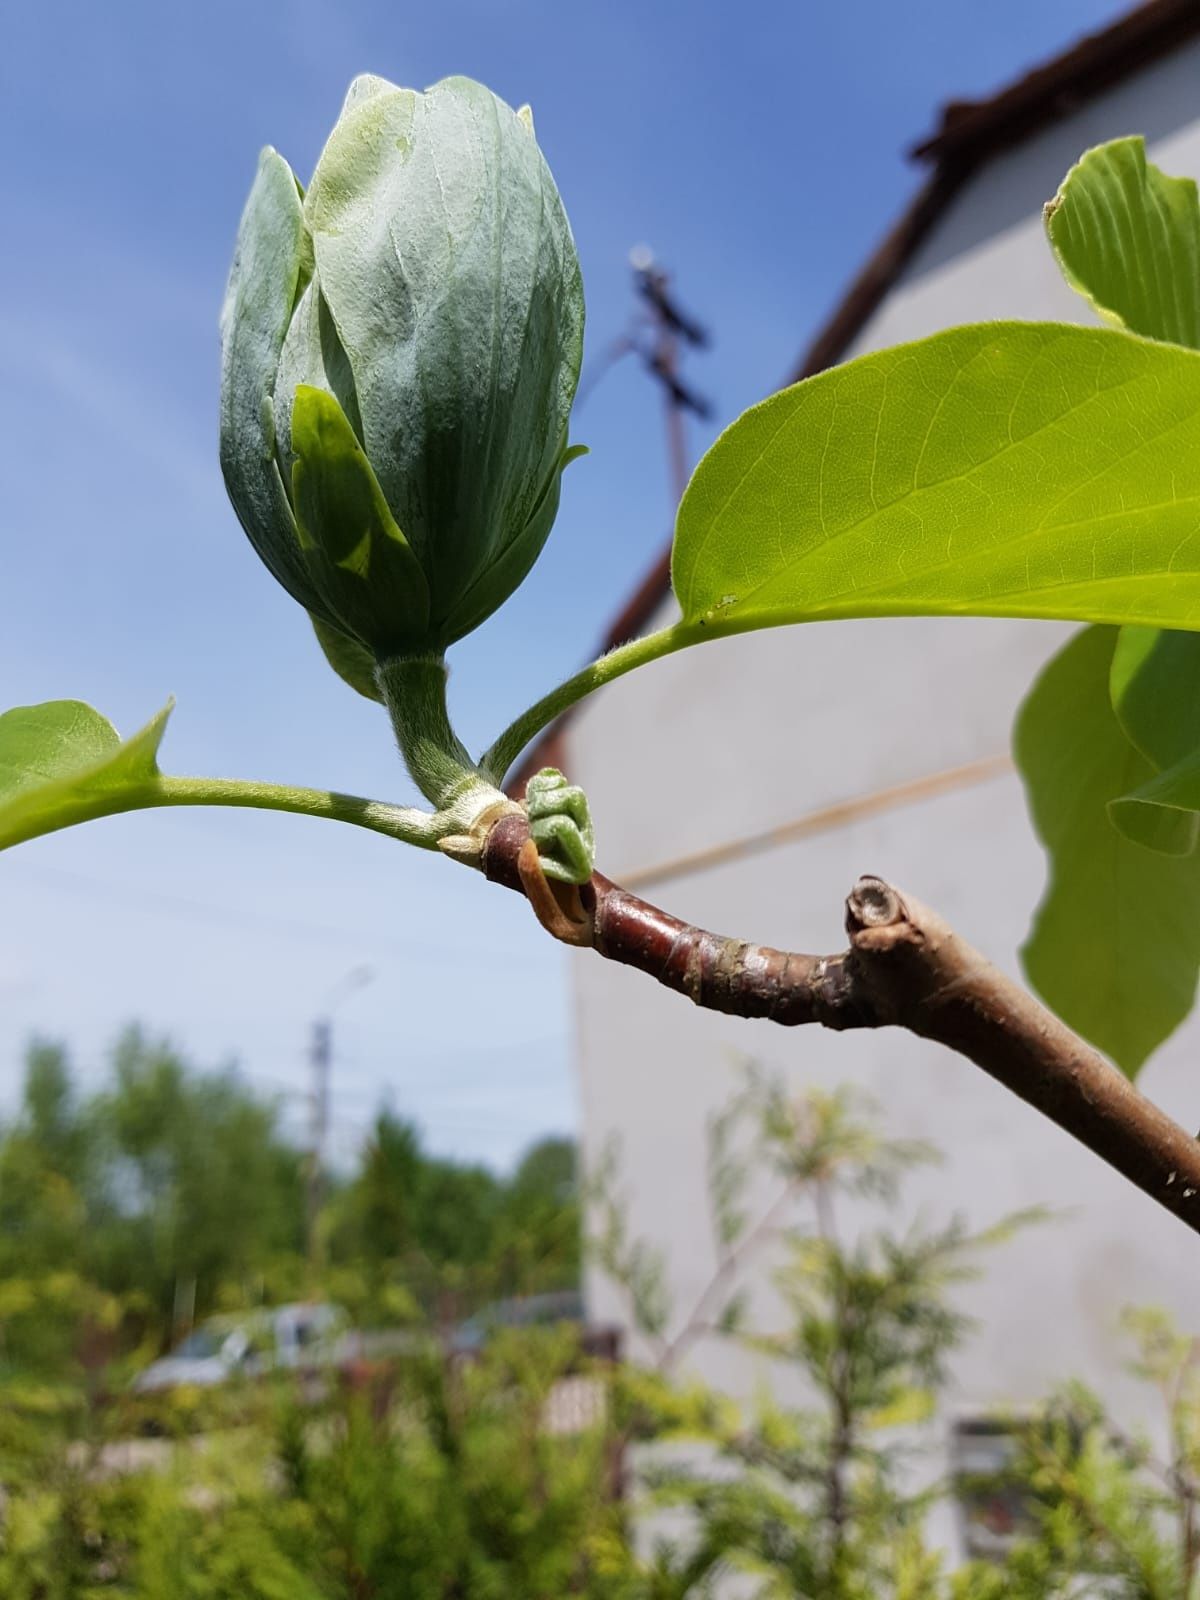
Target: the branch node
pixel 872 903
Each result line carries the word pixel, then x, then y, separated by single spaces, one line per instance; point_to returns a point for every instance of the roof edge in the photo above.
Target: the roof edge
pixel 1096 63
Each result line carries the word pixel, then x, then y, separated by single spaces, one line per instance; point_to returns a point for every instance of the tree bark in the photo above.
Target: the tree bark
pixel 906 968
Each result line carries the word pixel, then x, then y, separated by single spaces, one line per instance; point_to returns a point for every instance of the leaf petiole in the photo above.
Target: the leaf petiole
pixel 500 756
pixel 407 824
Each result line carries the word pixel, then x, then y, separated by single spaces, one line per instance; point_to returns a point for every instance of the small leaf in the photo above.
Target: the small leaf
pixel 1115 945
pixel 1155 689
pixel 1164 812
pixel 1127 237
pixel 906 1407
pixel 1009 469
pixel 62 762
pixel 732 1317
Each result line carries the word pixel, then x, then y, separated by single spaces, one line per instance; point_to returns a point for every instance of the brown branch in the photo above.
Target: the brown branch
pixel 905 968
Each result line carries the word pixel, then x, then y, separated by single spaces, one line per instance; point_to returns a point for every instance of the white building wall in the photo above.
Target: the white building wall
pixel 753 732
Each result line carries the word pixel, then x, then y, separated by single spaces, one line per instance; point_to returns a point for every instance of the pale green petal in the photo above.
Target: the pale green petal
pixel 445 257
pixel 359 558
pixel 263 284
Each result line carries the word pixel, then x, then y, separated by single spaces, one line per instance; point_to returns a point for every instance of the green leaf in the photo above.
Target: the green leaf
pixel 1155 690
pixel 62 762
pixel 1009 469
pixel 1164 812
pixel 1115 945
pixel 1127 238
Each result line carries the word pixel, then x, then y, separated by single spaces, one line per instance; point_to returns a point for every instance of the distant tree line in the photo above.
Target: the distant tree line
pixel 170 1192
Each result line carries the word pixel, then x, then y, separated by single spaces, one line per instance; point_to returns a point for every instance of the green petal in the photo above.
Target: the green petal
pixel 359 559
pixel 509 569
pixel 445 256
pixel 263 285
pixel 353 663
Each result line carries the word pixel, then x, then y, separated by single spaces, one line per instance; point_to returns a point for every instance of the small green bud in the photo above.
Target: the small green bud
pixel 560 824
pixel 400 351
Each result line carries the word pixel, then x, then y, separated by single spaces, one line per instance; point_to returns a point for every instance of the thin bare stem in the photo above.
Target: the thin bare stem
pixel 718 1288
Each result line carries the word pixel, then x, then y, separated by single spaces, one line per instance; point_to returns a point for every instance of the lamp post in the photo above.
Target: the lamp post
pixel 321 1062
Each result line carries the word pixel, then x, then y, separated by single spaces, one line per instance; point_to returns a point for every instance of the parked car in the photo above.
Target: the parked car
pixel 527 1311
pixel 248 1346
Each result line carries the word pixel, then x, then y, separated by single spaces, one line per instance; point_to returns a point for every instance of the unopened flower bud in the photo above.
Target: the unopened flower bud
pixel 400 350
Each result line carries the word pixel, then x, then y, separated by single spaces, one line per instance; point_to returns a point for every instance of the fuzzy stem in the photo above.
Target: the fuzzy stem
pixel 405 823
pixel 414 691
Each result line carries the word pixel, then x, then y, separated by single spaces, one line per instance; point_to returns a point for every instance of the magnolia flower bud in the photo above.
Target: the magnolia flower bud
pixel 400 350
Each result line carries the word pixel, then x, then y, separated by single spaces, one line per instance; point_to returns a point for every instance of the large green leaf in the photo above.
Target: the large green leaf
pixel 1009 469
pixel 1127 237
pixel 1115 945
pixel 62 762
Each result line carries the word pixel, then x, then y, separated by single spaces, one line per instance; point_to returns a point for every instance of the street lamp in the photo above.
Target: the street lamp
pixel 321 1061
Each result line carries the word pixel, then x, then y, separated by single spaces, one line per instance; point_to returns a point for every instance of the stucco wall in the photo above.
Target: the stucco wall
pixel 749 733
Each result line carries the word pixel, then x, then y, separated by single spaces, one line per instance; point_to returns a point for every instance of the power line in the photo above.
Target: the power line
pixel 838 815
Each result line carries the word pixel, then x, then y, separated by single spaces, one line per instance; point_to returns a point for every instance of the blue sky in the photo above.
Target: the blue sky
pixel 757 148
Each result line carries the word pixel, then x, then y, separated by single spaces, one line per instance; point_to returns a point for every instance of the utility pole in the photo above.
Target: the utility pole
pixel 660 335
pixel 672 333
pixel 320 1058
pixel 321 1061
